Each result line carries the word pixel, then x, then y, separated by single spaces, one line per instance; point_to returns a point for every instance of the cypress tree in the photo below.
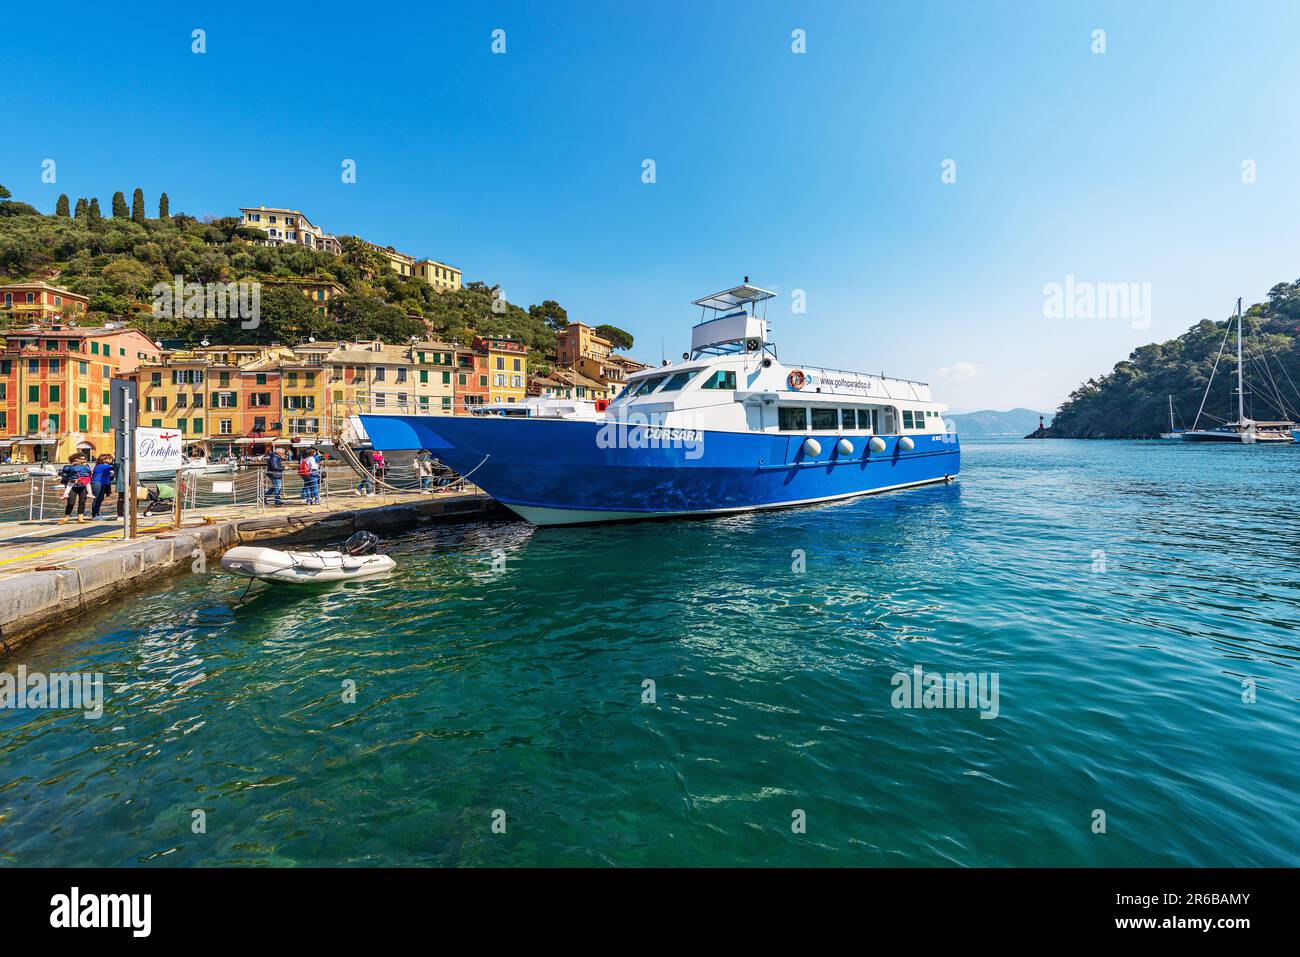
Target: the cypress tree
pixel 93 214
pixel 119 206
pixel 61 207
pixel 137 205
pixel 4 193
pixel 80 211
pixel 164 207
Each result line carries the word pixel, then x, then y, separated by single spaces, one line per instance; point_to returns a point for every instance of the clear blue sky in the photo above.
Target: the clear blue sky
pixel 818 171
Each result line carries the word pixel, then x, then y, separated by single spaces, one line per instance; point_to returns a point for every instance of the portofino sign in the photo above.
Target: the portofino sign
pixel 158 450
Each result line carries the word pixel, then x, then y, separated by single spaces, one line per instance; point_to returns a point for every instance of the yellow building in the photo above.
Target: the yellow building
pixel 507 367
pixel 402 264
pixel 439 275
pixel 434 367
pixel 318 291
pixel 288 227
pixel 173 394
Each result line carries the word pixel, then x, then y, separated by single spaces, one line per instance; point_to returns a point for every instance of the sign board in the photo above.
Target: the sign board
pixel 223 488
pixel 119 391
pixel 158 450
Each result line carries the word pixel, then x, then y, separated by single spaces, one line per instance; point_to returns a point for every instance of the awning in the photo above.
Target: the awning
pixel 37 442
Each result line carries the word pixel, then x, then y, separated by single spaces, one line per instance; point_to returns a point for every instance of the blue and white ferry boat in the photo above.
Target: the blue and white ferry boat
pixel 730 428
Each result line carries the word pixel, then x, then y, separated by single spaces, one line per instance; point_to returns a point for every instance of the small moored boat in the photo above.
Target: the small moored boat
pixel 356 558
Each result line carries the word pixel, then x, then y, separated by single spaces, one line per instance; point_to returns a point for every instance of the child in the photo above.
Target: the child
pixel 75 477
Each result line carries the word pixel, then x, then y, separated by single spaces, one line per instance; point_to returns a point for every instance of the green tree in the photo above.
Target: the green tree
pixel 93 215
pixel 137 205
pixel 119 206
pixel 551 313
pixel 617 337
pixel 80 211
pixel 164 207
pixel 4 193
pixel 61 207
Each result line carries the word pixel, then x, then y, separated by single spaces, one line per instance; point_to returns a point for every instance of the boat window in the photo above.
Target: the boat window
pixel 646 386
pixel 847 419
pixel 791 418
pixel 679 380
pixel 722 379
pixel 907 418
pixel 824 419
pixel 865 417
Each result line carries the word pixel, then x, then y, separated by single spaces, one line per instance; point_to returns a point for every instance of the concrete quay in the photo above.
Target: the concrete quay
pixel 48 571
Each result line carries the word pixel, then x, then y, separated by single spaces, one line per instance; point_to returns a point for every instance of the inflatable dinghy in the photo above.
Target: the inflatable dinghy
pixel 354 559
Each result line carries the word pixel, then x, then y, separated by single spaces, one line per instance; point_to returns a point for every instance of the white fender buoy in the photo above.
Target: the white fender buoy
pixel 877 444
pixel 846 447
pixel 906 444
pixel 812 447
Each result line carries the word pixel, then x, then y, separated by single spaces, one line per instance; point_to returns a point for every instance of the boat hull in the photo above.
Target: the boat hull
pixel 1237 438
pixel 559 472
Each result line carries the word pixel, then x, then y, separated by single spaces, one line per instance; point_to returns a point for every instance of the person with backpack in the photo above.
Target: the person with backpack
pixel 274 478
pixel 75 477
pixel 366 485
pixel 102 480
pixel 305 473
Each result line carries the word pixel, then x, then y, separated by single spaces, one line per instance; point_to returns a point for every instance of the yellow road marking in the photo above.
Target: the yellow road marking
pixel 88 540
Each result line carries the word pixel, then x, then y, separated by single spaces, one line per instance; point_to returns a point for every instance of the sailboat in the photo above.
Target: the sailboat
pixel 1173 433
pixel 1242 430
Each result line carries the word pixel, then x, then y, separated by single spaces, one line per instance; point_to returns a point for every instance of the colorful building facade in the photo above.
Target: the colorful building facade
pixel 54 397
pixel 28 302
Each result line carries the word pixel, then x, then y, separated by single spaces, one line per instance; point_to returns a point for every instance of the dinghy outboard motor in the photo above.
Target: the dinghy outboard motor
pixel 362 543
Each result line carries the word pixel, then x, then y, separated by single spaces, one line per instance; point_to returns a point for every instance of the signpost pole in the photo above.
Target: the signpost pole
pixel 128 467
pixel 180 497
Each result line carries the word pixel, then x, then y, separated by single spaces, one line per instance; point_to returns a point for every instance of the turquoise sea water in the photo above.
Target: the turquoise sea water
pixel 1121 593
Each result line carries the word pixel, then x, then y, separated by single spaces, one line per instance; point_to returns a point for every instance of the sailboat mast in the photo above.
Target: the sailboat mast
pixel 1171 413
pixel 1241 392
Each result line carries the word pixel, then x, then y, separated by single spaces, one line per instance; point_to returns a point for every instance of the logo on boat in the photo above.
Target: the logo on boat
pixel 637 432
pixel 796 380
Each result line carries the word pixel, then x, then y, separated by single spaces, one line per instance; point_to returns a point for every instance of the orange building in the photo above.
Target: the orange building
pixel 54 388
pixel 40 302
pixel 471 380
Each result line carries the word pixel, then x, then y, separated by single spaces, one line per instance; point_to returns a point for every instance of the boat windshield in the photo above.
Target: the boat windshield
pixel 645 386
pixel 679 380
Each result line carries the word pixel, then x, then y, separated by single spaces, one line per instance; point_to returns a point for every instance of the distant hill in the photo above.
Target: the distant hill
pixel 1132 400
pixel 989 424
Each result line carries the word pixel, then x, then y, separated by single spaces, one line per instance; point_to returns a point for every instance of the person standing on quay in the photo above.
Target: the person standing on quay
pixel 76 480
pixel 365 487
pixel 274 477
pixel 424 469
pixel 313 477
pixel 102 480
